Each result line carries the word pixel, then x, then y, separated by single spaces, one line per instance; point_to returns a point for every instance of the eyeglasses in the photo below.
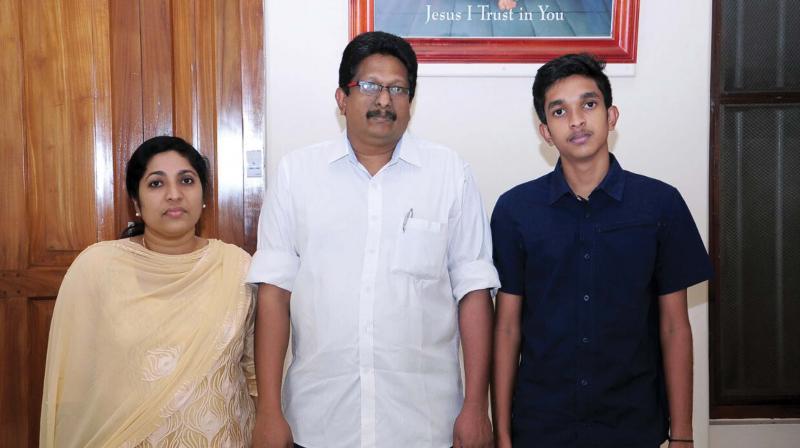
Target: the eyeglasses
pixel 373 89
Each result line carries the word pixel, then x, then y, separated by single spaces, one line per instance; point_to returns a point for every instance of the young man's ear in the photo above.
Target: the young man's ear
pixel 341 101
pixel 613 115
pixel 544 131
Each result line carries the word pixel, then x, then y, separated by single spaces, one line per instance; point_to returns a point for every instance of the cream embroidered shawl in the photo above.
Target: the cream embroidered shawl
pixel 133 334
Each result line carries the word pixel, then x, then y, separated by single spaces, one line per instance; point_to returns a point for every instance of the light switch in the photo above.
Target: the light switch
pixel 254 164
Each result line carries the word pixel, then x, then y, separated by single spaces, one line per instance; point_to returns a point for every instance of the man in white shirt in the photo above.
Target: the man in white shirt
pixel 376 248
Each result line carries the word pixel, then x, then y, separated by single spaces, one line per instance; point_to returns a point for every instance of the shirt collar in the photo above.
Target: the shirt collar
pixel 406 149
pixel 341 149
pixel 613 184
pixel 558 183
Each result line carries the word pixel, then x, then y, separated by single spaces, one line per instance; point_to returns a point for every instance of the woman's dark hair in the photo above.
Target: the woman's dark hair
pixel 563 67
pixel 376 42
pixel 137 165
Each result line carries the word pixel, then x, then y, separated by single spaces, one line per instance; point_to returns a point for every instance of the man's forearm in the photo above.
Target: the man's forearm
pixel 678 371
pixel 475 322
pixel 505 363
pixel 271 343
pixel 676 346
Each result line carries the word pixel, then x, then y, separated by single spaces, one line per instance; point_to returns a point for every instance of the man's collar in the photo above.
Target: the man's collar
pixel 558 183
pixel 406 149
pixel 341 149
pixel 613 183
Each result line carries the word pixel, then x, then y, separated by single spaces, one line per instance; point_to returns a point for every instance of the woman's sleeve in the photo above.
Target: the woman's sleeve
pixel 248 359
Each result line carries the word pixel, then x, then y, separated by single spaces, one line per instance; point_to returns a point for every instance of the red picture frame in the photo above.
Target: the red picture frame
pixel 620 48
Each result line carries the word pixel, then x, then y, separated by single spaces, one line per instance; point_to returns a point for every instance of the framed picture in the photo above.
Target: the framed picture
pixel 504 30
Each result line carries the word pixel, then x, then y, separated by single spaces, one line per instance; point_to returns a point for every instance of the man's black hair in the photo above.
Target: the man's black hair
pixel 376 42
pixel 565 66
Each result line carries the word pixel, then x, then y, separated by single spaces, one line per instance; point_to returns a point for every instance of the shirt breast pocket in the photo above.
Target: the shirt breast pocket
pixel 631 247
pixel 420 249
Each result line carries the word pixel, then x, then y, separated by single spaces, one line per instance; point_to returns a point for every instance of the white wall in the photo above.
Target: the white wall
pixel 663 129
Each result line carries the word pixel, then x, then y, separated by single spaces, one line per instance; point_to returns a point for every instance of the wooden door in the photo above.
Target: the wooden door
pixel 82 83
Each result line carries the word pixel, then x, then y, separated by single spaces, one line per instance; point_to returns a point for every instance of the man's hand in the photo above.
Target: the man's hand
pixel 271 340
pixel 272 431
pixel 473 428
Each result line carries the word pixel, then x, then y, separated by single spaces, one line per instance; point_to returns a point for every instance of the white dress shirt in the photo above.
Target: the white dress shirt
pixel 376 266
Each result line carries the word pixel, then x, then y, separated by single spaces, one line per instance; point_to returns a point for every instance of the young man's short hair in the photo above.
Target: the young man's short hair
pixel 565 66
pixel 376 42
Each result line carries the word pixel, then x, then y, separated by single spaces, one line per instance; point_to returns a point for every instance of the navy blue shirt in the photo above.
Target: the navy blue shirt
pixel 590 273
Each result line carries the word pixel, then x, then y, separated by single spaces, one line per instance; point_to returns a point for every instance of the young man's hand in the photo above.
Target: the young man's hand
pixel 473 428
pixel 272 431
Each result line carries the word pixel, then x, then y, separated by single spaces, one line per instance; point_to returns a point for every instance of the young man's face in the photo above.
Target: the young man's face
pixel 382 119
pixel 577 119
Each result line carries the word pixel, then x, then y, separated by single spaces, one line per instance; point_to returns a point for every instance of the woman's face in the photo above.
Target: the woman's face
pixel 170 196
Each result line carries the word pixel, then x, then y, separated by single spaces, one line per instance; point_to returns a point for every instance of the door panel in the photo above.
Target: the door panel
pixel 59 102
pixel 14 385
pixel 13 239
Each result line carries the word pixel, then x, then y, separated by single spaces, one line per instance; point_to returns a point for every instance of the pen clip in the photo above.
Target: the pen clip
pixel 409 215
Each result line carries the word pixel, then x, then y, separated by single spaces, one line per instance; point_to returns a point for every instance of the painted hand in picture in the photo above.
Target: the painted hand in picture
pixel 506 4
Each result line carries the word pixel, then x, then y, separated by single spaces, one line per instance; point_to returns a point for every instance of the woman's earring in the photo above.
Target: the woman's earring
pixel 204 205
pixel 138 214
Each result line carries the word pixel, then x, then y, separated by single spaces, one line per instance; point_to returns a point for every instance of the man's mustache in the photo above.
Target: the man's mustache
pixel 388 114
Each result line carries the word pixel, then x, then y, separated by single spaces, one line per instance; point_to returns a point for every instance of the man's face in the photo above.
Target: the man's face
pixel 577 119
pixel 382 119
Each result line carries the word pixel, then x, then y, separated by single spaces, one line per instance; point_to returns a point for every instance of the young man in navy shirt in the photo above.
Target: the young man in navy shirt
pixel 593 346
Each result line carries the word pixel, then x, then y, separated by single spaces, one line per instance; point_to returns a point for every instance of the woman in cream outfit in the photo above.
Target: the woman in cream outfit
pixel 151 339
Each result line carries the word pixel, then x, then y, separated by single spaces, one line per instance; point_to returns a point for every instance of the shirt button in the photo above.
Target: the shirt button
pixel 587 215
pixel 586 298
pixel 586 256
pixel 584 382
pixel 585 340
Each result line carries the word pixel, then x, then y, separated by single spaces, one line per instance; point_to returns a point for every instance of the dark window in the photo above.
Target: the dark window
pixel 755 209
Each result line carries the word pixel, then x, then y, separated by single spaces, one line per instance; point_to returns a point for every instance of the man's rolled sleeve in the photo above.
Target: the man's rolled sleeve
pixel 479 274
pixel 273 267
pixel 469 251
pixel 276 260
